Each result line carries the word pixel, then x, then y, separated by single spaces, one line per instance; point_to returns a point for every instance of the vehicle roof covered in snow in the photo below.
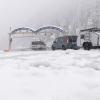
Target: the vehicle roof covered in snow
pixel 91 30
pixel 69 36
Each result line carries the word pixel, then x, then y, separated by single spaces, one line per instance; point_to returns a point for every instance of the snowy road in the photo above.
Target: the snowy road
pixel 50 75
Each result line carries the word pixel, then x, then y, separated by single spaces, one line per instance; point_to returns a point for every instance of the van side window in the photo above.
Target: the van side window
pixel 82 36
pixel 72 39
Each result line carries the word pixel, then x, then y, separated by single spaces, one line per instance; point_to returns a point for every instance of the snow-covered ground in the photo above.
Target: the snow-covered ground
pixel 50 75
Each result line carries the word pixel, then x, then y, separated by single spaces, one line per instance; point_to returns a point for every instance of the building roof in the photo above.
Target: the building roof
pixel 91 30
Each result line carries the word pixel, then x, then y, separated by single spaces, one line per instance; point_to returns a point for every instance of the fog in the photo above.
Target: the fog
pixel 35 14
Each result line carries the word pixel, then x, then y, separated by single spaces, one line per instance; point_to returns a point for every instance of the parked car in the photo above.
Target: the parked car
pixel 38 45
pixel 65 42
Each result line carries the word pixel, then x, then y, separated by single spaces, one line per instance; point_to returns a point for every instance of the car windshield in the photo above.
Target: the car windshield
pixel 38 43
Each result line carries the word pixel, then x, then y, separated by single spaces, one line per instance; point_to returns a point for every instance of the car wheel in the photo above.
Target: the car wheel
pixel 63 47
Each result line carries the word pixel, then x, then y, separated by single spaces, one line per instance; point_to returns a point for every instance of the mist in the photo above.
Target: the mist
pixel 37 13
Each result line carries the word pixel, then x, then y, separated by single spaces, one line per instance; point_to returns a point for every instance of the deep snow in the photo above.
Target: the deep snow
pixel 50 75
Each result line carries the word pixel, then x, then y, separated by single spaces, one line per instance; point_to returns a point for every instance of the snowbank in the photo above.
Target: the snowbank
pixel 50 75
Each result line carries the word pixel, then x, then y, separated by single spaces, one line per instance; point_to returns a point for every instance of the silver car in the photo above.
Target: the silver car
pixel 38 45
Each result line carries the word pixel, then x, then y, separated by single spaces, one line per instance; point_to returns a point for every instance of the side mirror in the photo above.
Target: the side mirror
pixel 54 41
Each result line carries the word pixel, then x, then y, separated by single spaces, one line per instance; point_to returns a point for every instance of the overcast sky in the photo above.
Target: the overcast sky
pixel 31 13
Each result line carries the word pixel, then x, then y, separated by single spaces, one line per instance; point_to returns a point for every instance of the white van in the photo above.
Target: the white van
pixel 90 38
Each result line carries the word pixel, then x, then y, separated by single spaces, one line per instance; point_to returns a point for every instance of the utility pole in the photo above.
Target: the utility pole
pixel 10 39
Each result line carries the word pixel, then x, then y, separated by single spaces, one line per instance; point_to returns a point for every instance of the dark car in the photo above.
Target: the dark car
pixel 38 45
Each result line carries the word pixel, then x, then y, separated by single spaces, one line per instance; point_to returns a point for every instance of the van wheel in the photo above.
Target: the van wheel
pixel 53 48
pixel 63 47
pixel 87 45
